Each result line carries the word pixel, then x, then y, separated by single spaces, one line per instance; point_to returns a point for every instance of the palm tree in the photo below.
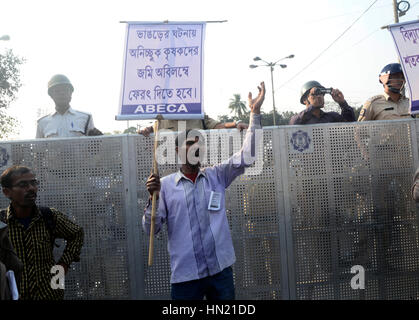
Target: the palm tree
pixel 237 106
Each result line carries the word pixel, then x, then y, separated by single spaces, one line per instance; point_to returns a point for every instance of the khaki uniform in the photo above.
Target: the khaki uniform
pixel 190 124
pixel 381 107
pixel 72 123
pixel 385 189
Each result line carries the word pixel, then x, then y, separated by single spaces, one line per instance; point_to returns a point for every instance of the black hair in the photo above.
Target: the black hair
pixel 6 177
pixel 184 134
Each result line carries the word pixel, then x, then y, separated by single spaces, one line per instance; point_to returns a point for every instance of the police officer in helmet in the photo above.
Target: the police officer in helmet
pixel 392 104
pixel 312 96
pixel 65 121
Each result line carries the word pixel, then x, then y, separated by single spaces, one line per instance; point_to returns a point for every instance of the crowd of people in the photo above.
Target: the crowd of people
pixel 190 201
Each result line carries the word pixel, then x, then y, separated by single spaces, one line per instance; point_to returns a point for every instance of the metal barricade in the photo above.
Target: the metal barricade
pixel 320 199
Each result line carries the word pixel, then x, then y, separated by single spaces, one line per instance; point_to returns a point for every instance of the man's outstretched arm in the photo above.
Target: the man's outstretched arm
pixel 235 165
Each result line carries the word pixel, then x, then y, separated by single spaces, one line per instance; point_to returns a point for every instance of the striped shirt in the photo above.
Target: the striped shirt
pixel 34 248
pixel 199 239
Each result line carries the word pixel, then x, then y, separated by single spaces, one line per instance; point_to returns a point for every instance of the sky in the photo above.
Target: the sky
pixel 85 41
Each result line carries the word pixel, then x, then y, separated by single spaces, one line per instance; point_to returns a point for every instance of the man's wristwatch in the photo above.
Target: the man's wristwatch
pixel 237 123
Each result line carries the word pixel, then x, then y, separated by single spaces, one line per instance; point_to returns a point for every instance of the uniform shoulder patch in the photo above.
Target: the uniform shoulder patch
pixel 368 103
pixel 372 99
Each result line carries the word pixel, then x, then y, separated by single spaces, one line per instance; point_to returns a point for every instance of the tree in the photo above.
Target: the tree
pixel 282 119
pixel 286 117
pixel 130 130
pixel 225 118
pixel 8 125
pixel 113 132
pixel 237 106
pixel 267 119
pixel 9 86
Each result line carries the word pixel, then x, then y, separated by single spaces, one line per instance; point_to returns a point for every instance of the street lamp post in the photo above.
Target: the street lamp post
pixel 271 65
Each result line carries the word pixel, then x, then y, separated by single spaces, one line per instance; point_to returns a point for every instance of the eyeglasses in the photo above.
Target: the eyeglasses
pixel 25 184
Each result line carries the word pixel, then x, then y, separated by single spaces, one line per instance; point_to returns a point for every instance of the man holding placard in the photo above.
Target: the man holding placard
pixel 192 203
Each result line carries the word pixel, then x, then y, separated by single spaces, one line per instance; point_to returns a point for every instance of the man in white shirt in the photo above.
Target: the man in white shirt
pixel 65 121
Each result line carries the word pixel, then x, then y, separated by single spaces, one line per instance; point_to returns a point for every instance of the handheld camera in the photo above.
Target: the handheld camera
pixel 320 91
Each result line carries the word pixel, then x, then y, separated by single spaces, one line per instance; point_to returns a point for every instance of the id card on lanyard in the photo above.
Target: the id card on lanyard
pixel 214 201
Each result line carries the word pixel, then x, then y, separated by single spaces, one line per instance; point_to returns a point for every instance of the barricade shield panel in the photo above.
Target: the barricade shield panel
pixel 319 200
pixel 351 205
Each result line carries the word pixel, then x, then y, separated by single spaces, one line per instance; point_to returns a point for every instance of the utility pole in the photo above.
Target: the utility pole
pixel 399 10
pixel 396 11
pixel 273 93
pixel 396 18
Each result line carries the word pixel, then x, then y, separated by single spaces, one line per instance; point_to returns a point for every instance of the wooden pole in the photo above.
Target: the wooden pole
pixel 154 170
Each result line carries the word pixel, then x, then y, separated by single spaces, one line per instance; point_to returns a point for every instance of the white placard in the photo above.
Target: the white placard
pixel 163 71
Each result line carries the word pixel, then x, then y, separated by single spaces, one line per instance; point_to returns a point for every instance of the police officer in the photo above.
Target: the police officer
pixel 392 104
pixel 65 121
pixel 378 148
pixel 313 99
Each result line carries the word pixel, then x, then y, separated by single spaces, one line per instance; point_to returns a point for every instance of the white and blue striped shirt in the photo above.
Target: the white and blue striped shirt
pixel 199 240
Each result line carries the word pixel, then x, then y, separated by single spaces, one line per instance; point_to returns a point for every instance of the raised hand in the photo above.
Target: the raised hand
pixel 256 104
pixel 338 96
pixel 145 131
